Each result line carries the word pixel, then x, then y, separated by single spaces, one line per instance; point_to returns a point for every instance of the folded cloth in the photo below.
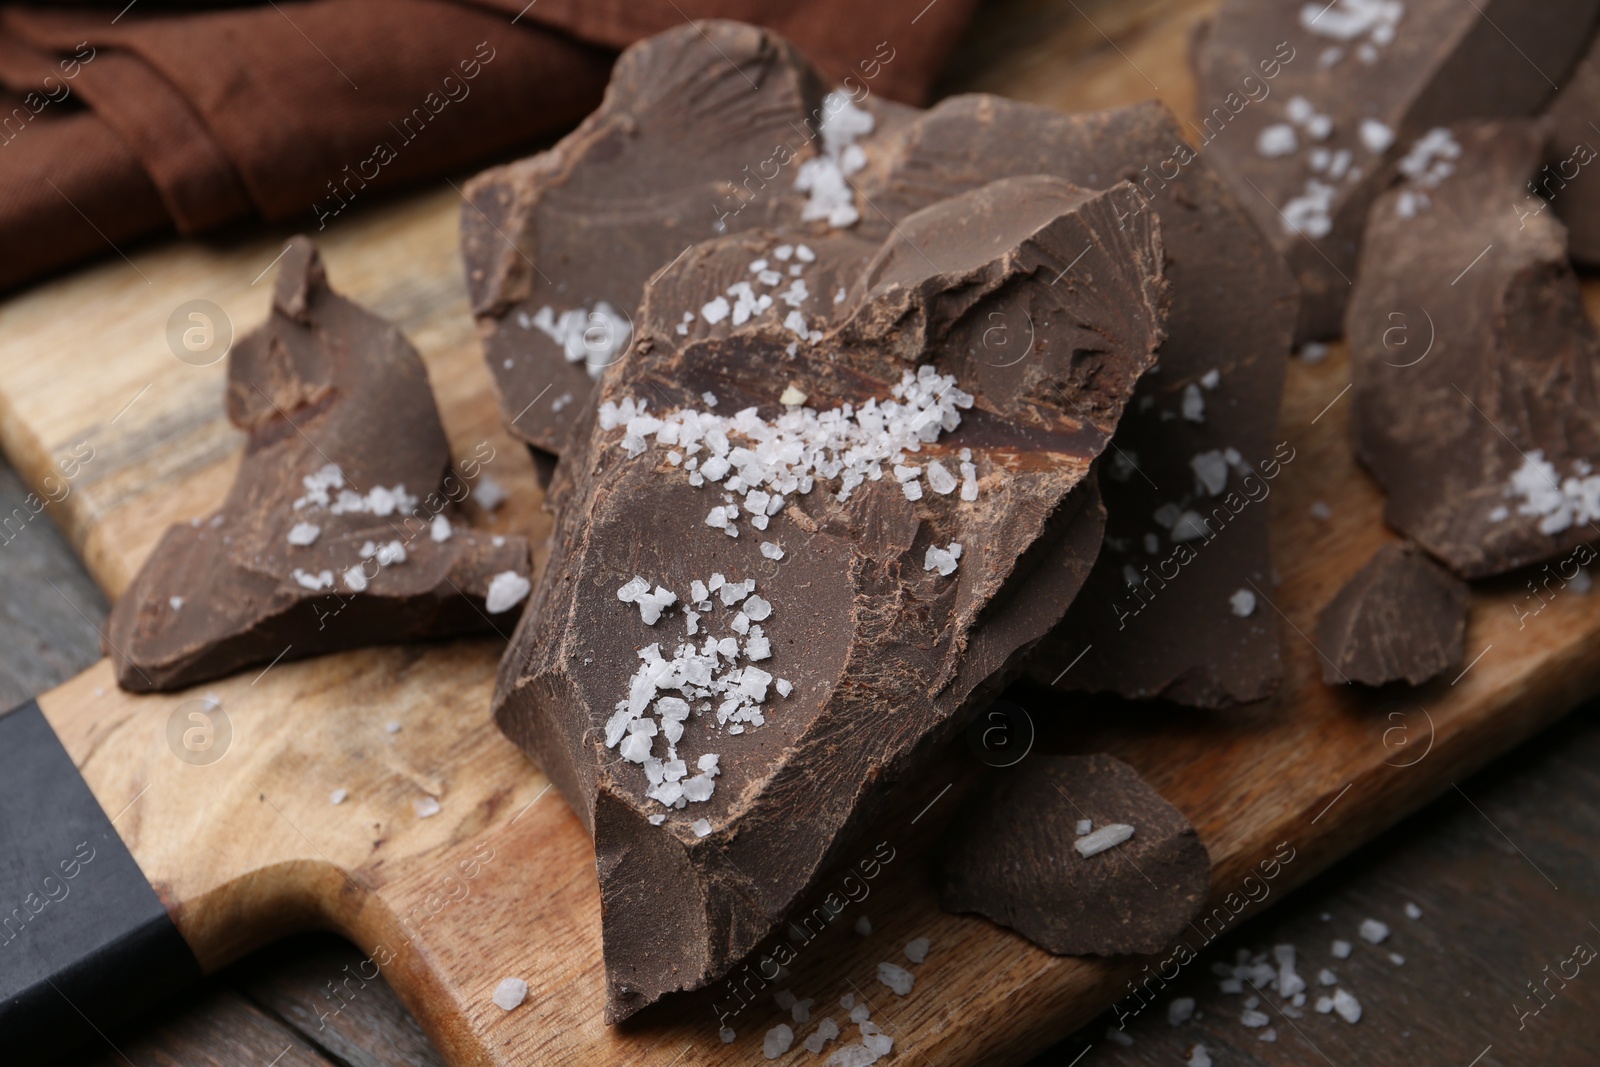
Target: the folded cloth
pixel 118 123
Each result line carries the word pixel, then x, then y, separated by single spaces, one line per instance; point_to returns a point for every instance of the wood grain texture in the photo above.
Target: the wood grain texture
pixel 224 1030
pixel 250 848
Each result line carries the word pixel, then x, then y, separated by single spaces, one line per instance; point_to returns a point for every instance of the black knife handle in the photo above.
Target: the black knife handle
pixel 85 943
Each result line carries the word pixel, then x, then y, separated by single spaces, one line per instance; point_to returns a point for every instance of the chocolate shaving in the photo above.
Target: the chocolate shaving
pixel 1013 855
pixel 1474 365
pixel 890 643
pixel 328 539
pixel 1400 617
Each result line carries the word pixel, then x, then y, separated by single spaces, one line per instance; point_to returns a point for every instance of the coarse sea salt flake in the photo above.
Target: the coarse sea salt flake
pixel 1097 841
pixel 506 590
pixel 510 993
pixel 896 978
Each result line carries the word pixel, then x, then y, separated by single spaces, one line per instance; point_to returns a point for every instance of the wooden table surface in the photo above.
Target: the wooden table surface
pixel 1502 868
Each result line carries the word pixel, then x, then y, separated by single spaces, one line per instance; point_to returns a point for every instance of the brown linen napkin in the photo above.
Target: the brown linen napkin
pixel 117 124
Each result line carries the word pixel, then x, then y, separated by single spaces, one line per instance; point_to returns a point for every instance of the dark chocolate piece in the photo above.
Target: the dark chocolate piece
pixel 893 614
pixel 340 530
pixel 704 131
pixel 1013 854
pixel 1401 617
pixel 1213 403
pixel 1568 182
pixel 1474 364
pixel 1307 108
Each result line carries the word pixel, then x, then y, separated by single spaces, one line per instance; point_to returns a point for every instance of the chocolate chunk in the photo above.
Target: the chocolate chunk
pixel 1402 616
pixel 704 131
pixel 1475 365
pixel 897 544
pixel 1566 181
pixel 1214 402
pixel 340 530
pixel 1307 109
pixel 1015 855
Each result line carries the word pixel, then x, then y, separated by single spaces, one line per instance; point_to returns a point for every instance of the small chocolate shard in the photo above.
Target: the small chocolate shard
pixel 908 586
pixel 1014 855
pixel 1568 182
pixel 1308 109
pixel 1402 617
pixel 558 246
pixel 341 528
pixel 1475 364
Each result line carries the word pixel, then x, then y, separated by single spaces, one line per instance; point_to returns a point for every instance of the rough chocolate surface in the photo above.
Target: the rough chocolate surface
pixel 1401 617
pixel 1010 855
pixel 888 642
pixel 1568 181
pixel 1168 632
pixel 1475 365
pixel 301 559
pixel 703 131
pixel 1233 306
pixel 1308 108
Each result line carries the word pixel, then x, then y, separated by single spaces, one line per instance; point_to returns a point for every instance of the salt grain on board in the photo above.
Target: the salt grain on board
pixel 896 978
pixel 1374 932
pixel 1341 949
pixel 917 949
pixel 777 1041
pixel 510 993
pixel 1413 912
pixel 426 807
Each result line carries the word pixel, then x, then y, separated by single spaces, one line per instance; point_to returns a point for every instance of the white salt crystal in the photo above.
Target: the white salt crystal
pixel 390 553
pixel 716 310
pixel 792 397
pixel 338 796
pixel 1413 912
pixel 1242 603
pixel 425 807
pixel 1084 826
pixel 727 1035
pixel 1188 526
pixel 1210 472
pixel 1253 1019
pixel 1194 404
pixel 1198 1057
pixel 391 727
pixel 1314 352
pixel 1397 959
pixel 757 609
pixel 1276 140
pixel 303 533
pixel 1346 1006
pixel 506 590
pixel 864 926
pixel 1374 932
pixel 1376 136
pixel 489 493
pixel 771 550
pixel 439 529
pixel 912 490
pixel 1108 836
pixel 510 993
pixel 940 480
pixel 320 580
pixel 917 949
pixel 801 1010
pixel 175 602
pixel 701 827
pixel 784 999
pixel 1341 950
pixel 895 977
pixel 860 1013
pixel 1211 378
pixel 1321 511
pixel 878 1044
pixel 1289 982
pixel 1327 977
pixel 1180 1010
pixel 777 1041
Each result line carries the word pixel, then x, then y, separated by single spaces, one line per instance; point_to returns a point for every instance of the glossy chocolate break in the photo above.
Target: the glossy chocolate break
pixel 805 542
pixel 341 528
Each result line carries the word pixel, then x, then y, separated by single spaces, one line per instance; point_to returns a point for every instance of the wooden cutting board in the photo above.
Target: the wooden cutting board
pixel 500 882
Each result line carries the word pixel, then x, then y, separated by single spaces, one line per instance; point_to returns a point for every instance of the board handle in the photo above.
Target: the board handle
pixel 85 942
